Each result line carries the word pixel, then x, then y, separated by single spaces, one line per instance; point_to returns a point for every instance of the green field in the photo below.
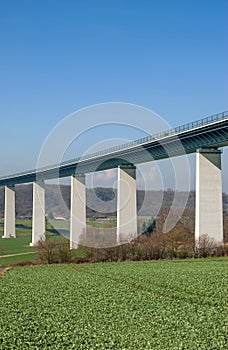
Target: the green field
pixel 20 244
pixel 139 305
pixel 10 246
pixel 19 247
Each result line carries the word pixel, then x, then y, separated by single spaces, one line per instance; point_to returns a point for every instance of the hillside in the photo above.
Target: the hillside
pixel 99 201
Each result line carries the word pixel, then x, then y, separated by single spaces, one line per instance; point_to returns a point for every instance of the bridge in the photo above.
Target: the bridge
pixel 204 137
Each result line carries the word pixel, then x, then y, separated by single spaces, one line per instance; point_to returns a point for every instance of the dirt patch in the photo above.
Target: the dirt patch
pixel 3 270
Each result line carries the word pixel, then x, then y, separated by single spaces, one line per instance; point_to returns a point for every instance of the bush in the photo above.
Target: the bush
pixel 206 246
pixel 176 244
pixel 51 250
pixel 63 250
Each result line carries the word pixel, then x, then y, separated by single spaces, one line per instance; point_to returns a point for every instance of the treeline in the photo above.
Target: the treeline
pixel 154 244
pixel 158 246
pixel 178 243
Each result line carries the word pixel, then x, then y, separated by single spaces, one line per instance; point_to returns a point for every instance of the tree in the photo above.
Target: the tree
pixel 149 226
pixel 206 246
pixel 51 250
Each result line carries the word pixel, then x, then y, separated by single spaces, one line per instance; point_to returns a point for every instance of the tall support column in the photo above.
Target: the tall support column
pixel 38 216
pixel 78 209
pixel 9 221
pixel 126 204
pixel 208 207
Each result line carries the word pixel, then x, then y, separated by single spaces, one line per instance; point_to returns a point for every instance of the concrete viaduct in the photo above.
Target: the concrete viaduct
pixel 204 137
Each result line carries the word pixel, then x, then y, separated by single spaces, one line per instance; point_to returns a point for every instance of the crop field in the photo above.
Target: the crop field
pixel 155 305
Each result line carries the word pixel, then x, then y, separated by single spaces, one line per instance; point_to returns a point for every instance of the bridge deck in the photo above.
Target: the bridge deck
pixel 209 132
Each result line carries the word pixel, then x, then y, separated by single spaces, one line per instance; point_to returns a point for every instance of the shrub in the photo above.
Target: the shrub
pixel 206 246
pixel 63 250
pixel 51 250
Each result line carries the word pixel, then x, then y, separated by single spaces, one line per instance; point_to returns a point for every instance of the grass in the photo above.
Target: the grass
pixel 62 226
pixel 99 224
pixel 17 259
pixel 17 245
pixel 156 305
pixel 23 227
pixel 20 244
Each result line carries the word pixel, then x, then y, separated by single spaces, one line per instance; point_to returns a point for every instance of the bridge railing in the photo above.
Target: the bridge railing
pixel 144 140
pixel 161 135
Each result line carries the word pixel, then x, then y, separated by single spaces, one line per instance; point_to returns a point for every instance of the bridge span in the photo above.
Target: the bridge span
pixel 203 137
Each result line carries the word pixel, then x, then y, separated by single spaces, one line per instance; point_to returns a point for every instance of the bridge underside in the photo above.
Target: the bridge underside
pixel 204 139
pixel 186 142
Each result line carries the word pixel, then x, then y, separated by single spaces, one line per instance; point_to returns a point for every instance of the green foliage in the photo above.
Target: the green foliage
pixel 159 305
pixel 149 226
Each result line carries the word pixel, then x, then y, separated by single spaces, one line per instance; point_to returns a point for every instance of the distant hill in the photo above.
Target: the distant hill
pixel 99 201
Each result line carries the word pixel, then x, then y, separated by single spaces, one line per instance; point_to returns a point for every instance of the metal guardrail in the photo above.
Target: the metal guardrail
pixel 155 137
pixel 142 141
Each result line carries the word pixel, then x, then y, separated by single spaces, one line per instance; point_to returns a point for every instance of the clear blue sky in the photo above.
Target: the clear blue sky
pixel 61 55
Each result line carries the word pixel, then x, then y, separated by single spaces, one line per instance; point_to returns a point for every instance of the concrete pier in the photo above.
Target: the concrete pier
pixel 78 209
pixel 9 220
pixel 126 204
pixel 38 217
pixel 208 207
